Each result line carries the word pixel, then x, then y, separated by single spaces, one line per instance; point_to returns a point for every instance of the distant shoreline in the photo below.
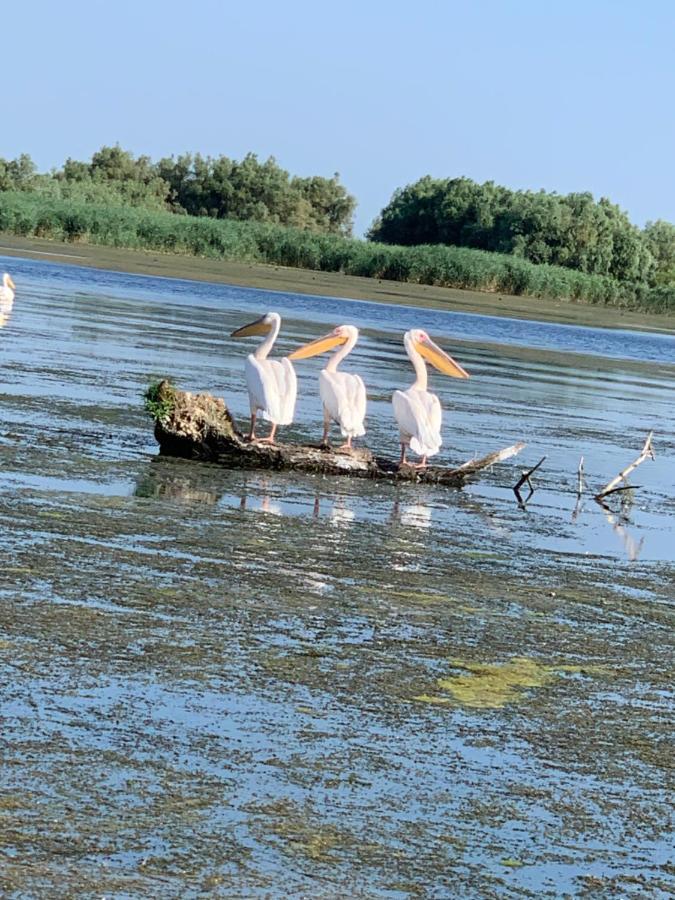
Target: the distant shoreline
pixel 329 284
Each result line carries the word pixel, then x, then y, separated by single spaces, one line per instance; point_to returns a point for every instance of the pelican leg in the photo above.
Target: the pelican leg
pixel 402 461
pixel 325 442
pixel 270 437
pixel 251 435
pixel 421 465
pixel 347 444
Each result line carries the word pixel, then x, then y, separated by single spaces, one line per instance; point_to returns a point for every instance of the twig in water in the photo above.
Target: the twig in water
pixel 616 490
pixel 611 486
pixel 525 477
pixel 580 477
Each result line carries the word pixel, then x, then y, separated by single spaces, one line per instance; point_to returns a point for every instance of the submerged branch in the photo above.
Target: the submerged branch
pixel 525 477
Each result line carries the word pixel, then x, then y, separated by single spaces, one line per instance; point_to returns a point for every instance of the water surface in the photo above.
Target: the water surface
pixel 241 684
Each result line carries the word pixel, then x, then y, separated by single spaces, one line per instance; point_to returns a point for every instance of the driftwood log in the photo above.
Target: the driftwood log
pixel 200 426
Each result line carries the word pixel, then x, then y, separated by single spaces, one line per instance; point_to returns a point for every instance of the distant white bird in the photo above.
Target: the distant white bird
pixel 343 395
pixel 7 291
pixel 417 410
pixel 272 385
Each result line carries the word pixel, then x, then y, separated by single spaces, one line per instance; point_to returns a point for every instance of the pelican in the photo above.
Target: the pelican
pixel 417 410
pixel 7 290
pixel 272 385
pixel 343 395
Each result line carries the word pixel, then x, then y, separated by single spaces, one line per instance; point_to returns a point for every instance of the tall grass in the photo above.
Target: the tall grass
pixel 456 267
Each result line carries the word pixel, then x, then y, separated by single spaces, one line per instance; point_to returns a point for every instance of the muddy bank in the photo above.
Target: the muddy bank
pixel 278 278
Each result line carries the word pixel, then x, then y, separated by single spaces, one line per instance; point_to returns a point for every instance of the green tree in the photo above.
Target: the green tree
pixel 572 230
pixel 18 174
pixel 659 237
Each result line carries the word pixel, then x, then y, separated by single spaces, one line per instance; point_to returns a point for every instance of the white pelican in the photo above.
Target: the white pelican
pixel 272 385
pixel 343 395
pixel 417 410
pixel 7 290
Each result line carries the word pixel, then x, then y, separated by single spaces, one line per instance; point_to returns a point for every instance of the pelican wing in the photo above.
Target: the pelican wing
pixel 272 388
pixel 344 397
pixel 288 388
pixel 419 415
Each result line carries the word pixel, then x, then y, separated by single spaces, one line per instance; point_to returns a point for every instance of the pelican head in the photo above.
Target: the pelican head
pixel 7 281
pixel 335 338
pixel 263 325
pixel 418 341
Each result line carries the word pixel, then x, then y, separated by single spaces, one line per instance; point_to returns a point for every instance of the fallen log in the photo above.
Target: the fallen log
pixel 200 426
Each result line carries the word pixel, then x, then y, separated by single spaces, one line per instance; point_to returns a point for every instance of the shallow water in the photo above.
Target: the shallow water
pixel 237 683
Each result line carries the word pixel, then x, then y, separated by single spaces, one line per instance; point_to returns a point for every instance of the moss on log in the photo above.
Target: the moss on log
pixel 200 426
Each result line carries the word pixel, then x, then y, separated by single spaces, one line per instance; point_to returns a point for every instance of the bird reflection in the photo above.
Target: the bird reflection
pixel 413 515
pixel 339 513
pixel 259 500
pixel 260 504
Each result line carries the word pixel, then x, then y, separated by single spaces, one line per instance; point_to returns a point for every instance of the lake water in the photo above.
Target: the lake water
pixel 254 684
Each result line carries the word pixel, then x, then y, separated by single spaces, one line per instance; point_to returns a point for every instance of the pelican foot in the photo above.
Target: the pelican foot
pixel 418 467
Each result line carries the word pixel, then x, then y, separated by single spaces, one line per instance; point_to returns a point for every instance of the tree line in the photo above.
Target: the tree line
pixel 192 184
pixel 31 213
pixel 571 230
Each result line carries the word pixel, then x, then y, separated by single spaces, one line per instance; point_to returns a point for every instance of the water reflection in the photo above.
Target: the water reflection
pixel 488 514
pixel 341 514
pixel 260 501
pixel 618 522
pixel 165 484
pixel 412 515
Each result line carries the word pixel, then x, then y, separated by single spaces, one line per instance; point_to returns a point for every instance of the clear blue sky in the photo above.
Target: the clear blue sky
pixel 531 94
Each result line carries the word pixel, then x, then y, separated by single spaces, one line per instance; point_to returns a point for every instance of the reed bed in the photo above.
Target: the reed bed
pixel 29 214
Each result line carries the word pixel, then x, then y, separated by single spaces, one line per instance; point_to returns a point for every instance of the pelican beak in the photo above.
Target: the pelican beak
pixel 440 360
pixel 321 345
pixel 11 283
pixel 260 326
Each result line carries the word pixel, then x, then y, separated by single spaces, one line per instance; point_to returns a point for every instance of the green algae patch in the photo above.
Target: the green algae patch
pixel 494 685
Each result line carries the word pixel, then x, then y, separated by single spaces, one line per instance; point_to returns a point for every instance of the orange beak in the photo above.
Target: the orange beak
pixel 440 360
pixel 320 345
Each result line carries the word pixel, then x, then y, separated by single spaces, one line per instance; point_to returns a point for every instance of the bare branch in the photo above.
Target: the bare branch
pixel 525 477
pixel 485 461
pixel 646 452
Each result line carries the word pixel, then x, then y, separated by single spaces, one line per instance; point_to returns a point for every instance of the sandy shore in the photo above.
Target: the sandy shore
pixel 302 281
